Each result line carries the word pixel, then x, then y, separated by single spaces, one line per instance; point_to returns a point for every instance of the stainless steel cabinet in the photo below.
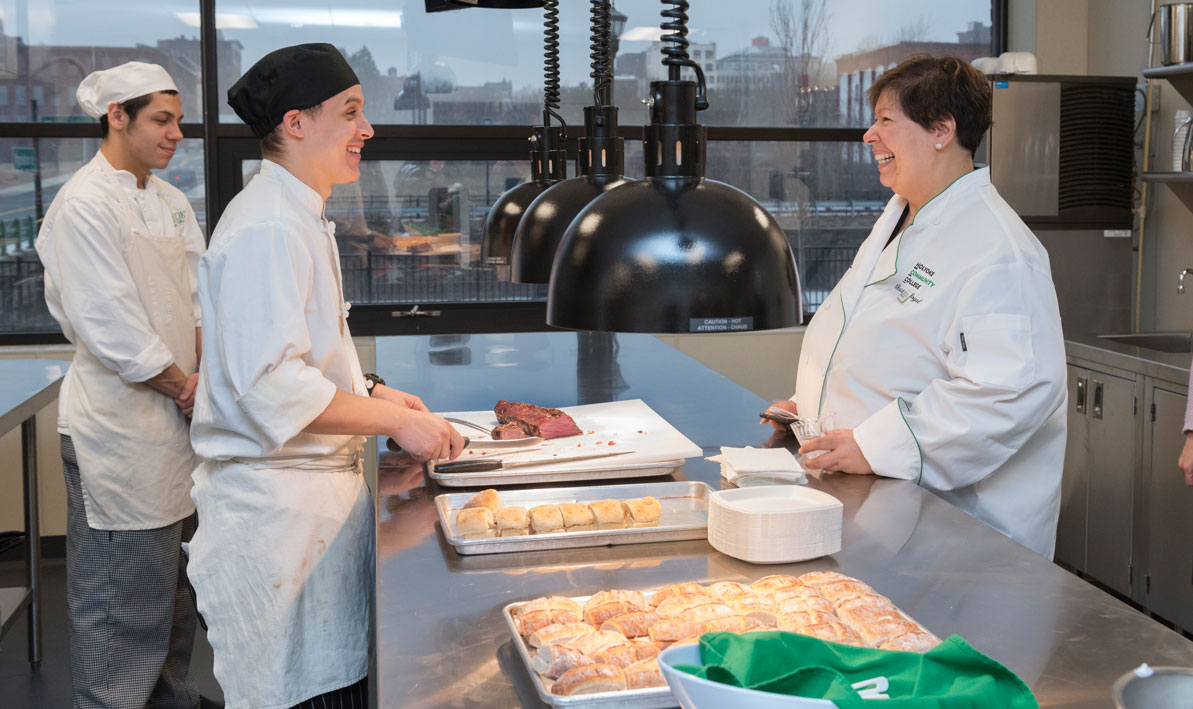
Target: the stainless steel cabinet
pixel 1098 490
pixel 1168 514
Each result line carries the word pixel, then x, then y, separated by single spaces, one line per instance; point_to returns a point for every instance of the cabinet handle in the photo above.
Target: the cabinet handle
pixel 1097 399
pixel 1082 385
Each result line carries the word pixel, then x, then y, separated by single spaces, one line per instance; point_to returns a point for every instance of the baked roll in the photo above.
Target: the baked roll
pixel 670 630
pixel 864 600
pixel 592 643
pixel 812 603
pixel 732 624
pixel 545 519
pixel 475 521
pixel 834 633
pixel 642 511
pixel 770 583
pixel 840 590
pixel 858 615
pixel 634 598
pixel 646 649
pixel 548 603
pixel 487 499
pixel 795 590
pixel 558 633
pixel 577 517
pixel 621 655
pixel 818 578
pixel 531 622
pixel 633 624
pixel 644 674
pixel 879 631
pixel 512 521
pixel 676 605
pixel 672 590
pixel 590 679
pixel 706 612
pixel 725 591
pixel 597 615
pixel 915 641
pixel 552 661
pixel 609 514
pixel 796 622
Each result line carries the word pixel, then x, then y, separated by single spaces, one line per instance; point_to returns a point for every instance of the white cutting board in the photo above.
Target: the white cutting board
pixel 610 427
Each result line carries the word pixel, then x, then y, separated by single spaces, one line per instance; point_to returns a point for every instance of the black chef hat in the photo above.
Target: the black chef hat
pixel 297 77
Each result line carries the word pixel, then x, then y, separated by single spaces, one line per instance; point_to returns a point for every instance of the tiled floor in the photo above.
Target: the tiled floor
pixel 49 686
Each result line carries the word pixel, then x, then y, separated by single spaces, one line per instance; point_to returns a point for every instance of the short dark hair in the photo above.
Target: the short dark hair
pixel 131 108
pixel 271 142
pixel 931 88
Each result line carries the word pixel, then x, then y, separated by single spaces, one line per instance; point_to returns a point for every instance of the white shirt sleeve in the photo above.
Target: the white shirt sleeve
pixel 98 295
pixel 1005 357
pixel 196 245
pixel 260 284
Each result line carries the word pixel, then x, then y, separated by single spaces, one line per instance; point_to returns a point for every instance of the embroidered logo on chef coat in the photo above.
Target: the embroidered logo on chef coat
pixel 179 217
pixel 915 284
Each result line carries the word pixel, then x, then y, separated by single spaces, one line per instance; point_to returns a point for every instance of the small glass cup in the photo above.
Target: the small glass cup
pixel 806 428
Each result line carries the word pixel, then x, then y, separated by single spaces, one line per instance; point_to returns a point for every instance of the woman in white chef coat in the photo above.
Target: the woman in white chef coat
pixel 940 353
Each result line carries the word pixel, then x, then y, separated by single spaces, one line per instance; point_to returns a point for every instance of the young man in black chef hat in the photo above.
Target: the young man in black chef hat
pixel 282 563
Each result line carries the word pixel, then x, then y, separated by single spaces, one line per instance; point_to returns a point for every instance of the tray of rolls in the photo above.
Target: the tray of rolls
pixel 489 522
pixel 601 650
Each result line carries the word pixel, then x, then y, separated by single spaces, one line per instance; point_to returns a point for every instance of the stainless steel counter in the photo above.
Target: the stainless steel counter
pixel 1165 366
pixel 440 639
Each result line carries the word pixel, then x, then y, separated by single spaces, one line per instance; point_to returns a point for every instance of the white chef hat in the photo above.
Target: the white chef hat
pixel 119 84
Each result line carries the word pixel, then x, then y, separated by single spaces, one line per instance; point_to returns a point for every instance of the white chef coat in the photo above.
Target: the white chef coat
pixel 943 352
pixel 282 561
pixel 120 265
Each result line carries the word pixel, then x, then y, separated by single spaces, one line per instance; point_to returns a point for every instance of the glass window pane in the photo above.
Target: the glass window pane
pixel 26 194
pixel 772 63
pixel 409 231
pixel 48 46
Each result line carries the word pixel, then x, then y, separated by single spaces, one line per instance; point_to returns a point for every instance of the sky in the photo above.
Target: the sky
pixel 478 45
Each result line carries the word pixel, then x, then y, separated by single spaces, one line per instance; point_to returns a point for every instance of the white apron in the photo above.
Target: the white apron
pixel 298 612
pixel 133 443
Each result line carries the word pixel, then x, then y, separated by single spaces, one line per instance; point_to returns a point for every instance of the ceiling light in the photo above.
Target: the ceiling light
pixel 223 20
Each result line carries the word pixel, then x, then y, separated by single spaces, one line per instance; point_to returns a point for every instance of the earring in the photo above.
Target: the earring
pixel 939 146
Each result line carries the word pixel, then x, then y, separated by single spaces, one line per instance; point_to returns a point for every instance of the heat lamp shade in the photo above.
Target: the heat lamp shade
pixel 670 255
pixel 502 223
pixel 498 4
pixel 547 219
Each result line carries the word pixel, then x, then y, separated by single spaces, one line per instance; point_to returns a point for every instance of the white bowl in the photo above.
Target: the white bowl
pixel 694 692
pixel 774 525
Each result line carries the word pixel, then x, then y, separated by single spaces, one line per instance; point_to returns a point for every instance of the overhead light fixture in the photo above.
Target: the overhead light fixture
pixel 548 159
pixel 601 167
pixel 675 252
pixel 641 34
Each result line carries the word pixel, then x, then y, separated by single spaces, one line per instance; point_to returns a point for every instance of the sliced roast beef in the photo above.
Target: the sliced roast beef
pixel 536 420
pixel 508 432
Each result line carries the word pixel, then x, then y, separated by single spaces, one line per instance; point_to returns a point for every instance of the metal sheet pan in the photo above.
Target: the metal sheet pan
pixel 684 516
pixel 653 698
pixel 527 476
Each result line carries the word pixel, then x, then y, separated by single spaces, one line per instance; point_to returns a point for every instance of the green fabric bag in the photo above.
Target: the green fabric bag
pixel 952 675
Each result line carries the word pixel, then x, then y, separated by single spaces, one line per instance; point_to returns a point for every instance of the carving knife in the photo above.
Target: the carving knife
pixel 488 465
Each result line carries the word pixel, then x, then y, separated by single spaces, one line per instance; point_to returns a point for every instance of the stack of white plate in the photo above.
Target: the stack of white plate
pixel 774 525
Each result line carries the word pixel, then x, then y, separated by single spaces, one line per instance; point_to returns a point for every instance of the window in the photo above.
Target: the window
pixel 452 96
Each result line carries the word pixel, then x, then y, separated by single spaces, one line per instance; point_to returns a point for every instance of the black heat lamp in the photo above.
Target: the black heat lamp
pixel 499 4
pixel 674 252
pixel 548 159
pixel 601 165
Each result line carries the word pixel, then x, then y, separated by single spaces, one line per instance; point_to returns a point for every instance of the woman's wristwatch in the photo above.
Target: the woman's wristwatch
pixel 371 382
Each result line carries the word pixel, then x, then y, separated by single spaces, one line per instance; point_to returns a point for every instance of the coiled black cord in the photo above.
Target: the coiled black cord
pixel 675 55
pixel 551 62
pixel 602 53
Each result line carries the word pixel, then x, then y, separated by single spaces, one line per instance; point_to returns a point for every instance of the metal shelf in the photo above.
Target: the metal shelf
pixel 1179 75
pixel 1169 177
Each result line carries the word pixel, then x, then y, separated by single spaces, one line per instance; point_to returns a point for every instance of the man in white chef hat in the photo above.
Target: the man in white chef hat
pixel 120 249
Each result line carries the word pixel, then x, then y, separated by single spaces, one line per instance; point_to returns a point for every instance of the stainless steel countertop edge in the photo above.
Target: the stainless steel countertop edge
pixel 1172 368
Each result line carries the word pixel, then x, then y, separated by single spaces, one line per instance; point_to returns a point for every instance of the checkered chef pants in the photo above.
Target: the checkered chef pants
pixel 132 620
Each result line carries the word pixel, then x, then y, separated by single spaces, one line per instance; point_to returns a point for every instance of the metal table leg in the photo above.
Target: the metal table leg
pixel 32 538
